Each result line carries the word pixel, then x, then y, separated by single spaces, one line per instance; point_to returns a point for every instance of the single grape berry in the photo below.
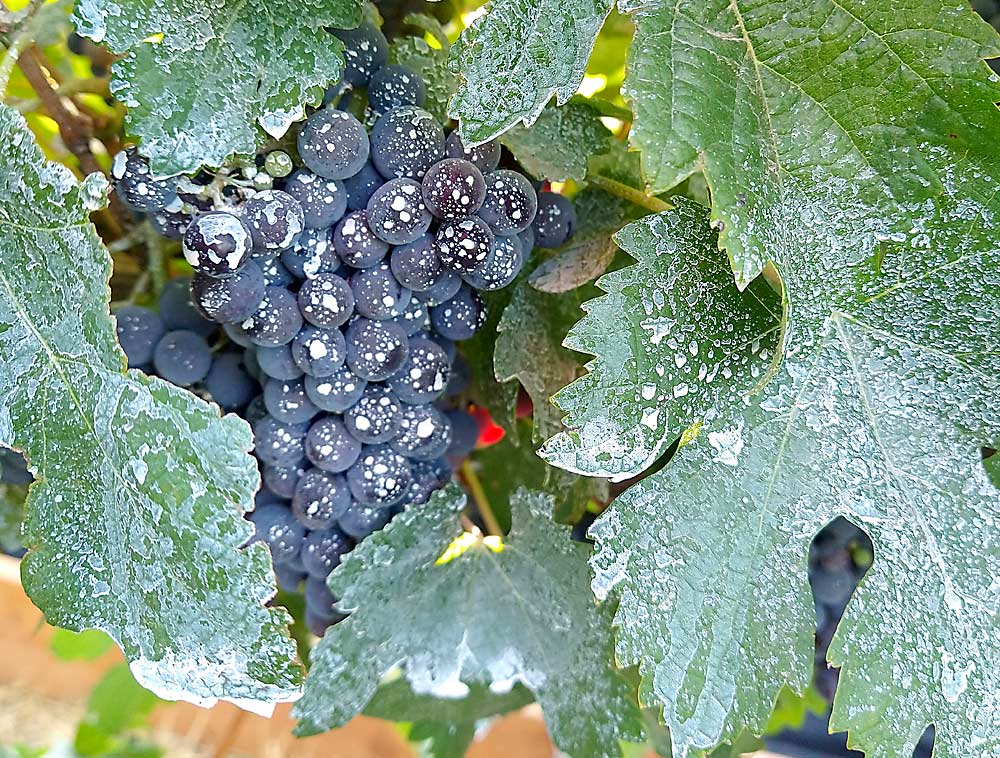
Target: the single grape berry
pixel 485 157
pixel 464 433
pixel 288 578
pixel 277 319
pixel 287 401
pixel 275 526
pixel 443 342
pixel 135 185
pixel 443 288
pixel 453 188
pixel 527 238
pixel 362 186
pixel 229 383
pixel 182 358
pixel 255 411
pixel 377 294
pixel 415 317
pixel 375 417
pixel 375 349
pixel 424 375
pixel 406 141
pixel 278 443
pixel 356 243
pixel 313 254
pixel 461 317
pixel 237 334
pixel 555 221
pixel 177 311
pixel 170 224
pixel 217 244
pixel 394 85
pixel 396 212
pixel 278 164
pixel 380 477
pixel 326 301
pixel 323 549
pixel 320 498
pixel 425 433
pixel 501 266
pixel 460 379
pixel 510 204
pixel 463 245
pixel 277 362
pixel 275 220
pixel 337 392
pixel 282 480
pixel 323 201
pixel 333 144
pixel 330 447
pixel 139 330
pixel 276 274
pixel 319 352
pixel 425 478
pixel 361 520
pixel 234 298
pixel 365 51
pixel 416 265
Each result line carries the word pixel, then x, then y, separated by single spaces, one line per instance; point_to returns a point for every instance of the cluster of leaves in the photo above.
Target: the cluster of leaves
pixel 818 334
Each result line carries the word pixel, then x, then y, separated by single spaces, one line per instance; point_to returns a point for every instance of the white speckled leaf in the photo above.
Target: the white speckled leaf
pixel 558 145
pixel 811 120
pixel 520 615
pixel 222 69
pixel 134 525
pixel 675 341
pixel 513 59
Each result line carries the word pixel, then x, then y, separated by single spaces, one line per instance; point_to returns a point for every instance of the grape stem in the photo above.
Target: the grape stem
pixel 90 85
pixel 633 195
pixel 154 258
pixel 479 495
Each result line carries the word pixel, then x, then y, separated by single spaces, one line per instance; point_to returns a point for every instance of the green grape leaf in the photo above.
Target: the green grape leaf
pixel 675 342
pixel 878 413
pixel 516 612
pixel 557 145
pixel 88 645
pixel 134 523
pixel 431 63
pixel 813 122
pixel 117 704
pixel 439 739
pixel 199 78
pixel 514 58
pixel 500 399
pixel 395 700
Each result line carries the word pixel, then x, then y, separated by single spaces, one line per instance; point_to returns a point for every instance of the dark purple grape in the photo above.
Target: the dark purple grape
pixel 355 242
pixel 312 255
pixel 416 265
pixel 424 375
pixel 323 549
pixel 485 157
pixel 276 527
pixel 229 383
pixel 362 186
pixel 464 433
pixel 333 144
pixel 365 51
pixel 139 330
pixel 277 362
pixel 463 245
pixel 182 358
pixel 275 220
pixel 393 85
pixel 135 186
pixel 177 311
pixel 288 578
pixel 377 294
pixel 323 200
pixel 443 288
pixel 275 273
pixel 396 212
pixel 237 334
pixel 326 301
pixel 255 411
pixel 375 349
pixel 337 392
pixel 217 244
pixel 282 480
pixel 361 520
pixel 279 444
pixel 287 401
pixel 170 224
pixel 330 447
pixel 425 435
pixel 443 342
pixel 318 352
pixel 511 203
pixel 500 268
pixel 461 377
pixel 380 477
pixel 234 298
pixel 425 479
pixel 320 499
pixel 453 188
pixel 416 317
pixel 461 317
pixel 276 321
pixel 555 221
pixel 527 239
pixel 376 417
pixel 406 141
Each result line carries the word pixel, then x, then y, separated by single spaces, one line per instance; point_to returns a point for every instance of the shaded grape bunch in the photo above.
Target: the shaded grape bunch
pixel 326 302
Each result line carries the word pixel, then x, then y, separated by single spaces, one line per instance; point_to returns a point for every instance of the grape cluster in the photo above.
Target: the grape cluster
pixel 342 281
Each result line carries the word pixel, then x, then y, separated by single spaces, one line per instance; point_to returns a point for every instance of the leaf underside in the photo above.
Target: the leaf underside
pixel 134 523
pixel 523 614
pixel 198 94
